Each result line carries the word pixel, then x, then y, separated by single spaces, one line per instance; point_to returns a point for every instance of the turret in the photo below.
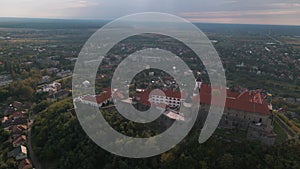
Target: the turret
pixel 198 83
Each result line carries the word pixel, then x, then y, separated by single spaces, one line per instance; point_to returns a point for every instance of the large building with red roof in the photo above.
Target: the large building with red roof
pixel 98 100
pixel 250 106
pixel 242 108
pixel 246 109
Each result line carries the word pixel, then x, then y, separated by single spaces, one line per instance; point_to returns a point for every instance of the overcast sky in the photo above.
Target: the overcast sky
pixel 279 12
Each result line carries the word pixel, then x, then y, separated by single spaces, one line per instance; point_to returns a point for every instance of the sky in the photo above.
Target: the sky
pixel 274 12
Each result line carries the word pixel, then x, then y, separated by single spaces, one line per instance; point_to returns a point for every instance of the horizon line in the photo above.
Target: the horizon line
pixel 108 20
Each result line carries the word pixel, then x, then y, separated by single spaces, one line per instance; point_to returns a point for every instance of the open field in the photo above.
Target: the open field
pixel 294 41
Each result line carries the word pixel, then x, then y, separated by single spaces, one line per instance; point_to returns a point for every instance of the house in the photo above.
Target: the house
pixel 64 73
pixel 17 104
pixel 21 140
pixel 18 153
pixel 17 115
pixel 25 164
pixel 6 122
pixel 52 88
pixel 17 130
pixel 45 79
pixel 4 119
pixel 52 70
pixel 20 121
pixel 5 79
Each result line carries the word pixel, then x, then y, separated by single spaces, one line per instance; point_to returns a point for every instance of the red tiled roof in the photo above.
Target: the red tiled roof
pixel 18 128
pixel 20 139
pixel 16 104
pixel 248 101
pixel 105 95
pixel 25 164
pixel 17 114
pixel 119 95
pixel 89 98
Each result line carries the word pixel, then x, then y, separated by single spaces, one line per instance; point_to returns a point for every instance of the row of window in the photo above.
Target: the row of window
pixel 165 101
pixel 164 97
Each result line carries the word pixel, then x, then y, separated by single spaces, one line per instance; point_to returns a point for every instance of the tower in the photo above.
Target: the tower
pixel 198 83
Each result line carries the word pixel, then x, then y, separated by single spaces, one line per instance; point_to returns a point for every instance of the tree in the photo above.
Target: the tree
pixel 4 94
pixel 21 90
pixel 227 161
pixel 167 157
pixel 40 106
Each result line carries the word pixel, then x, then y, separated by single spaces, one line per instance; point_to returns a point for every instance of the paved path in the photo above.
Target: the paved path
pixel 285 127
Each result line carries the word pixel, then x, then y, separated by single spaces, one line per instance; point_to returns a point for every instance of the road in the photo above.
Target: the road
pixel 33 158
pixel 280 43
pixel 285 127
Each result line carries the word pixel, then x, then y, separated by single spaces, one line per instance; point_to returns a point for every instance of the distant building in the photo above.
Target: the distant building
pixel 5 80
pixel 52 88
pixel 242 65
pixel 64 73
pixel 45 79
pixel 52 70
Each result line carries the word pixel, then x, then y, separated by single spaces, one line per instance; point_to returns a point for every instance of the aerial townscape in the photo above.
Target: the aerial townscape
pixel 40 127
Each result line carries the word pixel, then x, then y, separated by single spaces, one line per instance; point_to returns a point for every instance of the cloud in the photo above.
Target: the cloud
pixel 230 2
pixel 285 5
pixel 246 17
pixel 237 14
pixel 79 4
pixel 254 11
pixel 277 11
pixel 263 21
